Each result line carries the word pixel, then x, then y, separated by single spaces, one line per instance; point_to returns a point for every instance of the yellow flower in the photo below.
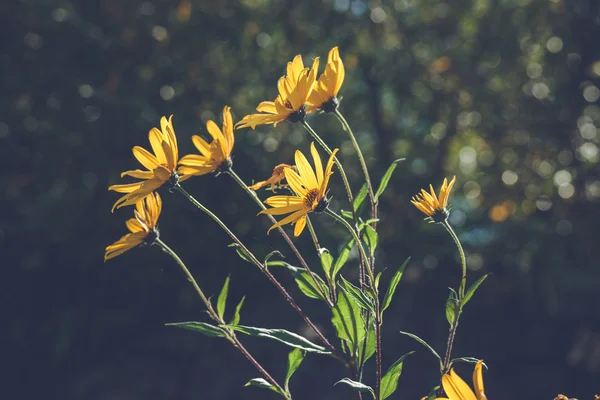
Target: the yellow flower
pixel 324 95
pixel 215 155
pixel 276 178
pixel 161 166
pixel 457 389
pixel 433 206
pixel 310 190
pixel 142 228
pixel 294 89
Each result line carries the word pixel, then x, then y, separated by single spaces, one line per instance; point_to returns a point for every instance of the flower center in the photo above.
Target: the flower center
pixel 330 105
pixel 311 200
pixel 297 115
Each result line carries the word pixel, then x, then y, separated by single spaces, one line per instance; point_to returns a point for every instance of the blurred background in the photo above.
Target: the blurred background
pixel 501 93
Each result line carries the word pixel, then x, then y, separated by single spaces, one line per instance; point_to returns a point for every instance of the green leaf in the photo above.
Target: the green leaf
pixel 262 383
pixel 271 254
pixel 424 343
pixel 360 197
pixel 347 214
pixel 472 289
pixel 202 327
pixel 377 277
pixel 452 307
pixel 467 360
pixel 304 281
pixel 389 382
pixel 222 300
pixel 347 320
pixel 370 237
pixel 294 360
pixel 386 177
pixel 357 386
pixel 393 284
pixel 358 296
pixel 371 345
pixel 433 393
pixel 326 261
pixel 241 252
pixel 236 315
pixel 342 258
pixel 281 335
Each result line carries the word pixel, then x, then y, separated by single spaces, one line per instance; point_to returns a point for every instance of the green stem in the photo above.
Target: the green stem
pixel 230 334
pixel 363 164
pixel 282 232
pixel 315 136
pixel 313 234
pixel 463 259
pixel 260 265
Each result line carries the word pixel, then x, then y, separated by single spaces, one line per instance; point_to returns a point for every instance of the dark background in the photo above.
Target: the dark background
pixel 502 93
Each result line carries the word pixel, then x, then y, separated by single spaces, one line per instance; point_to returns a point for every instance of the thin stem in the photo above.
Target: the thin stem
pixel 260 265
pixel 346 185
pixel 363 164
pixel 313 234
pixel 285 236
pixel 463 259
pixel 230 334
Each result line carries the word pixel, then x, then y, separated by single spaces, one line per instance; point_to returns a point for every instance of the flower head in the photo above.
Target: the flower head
pixel 160 166
pixel 143 228
pixel 276 178
pixel 310 189
pixel 215 155
pixel 457 389
pixel 433 206
pixel 324 95
pixel 294 90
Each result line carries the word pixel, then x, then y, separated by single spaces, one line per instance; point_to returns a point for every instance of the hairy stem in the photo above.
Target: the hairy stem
pixel 260 265
pixel 230 334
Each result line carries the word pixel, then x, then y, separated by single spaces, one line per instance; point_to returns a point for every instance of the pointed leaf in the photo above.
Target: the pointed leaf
pixel 347 214
pixel 241 252
pixel 281 335
pixel 347 320
pixel 294 360
pixel 393 284
pixel 342 258
pixel 472 289
pixel 360 197
pixel 326 261
pixel 389 382
pixel 371 343
pixel 370 238
pixel 222 300
pixel 358 296
pixel 236 315
pixel 262 383
pixel 357 386
pixel 424 343
pixel 386 177
pixel 271 254
pixel 202 327
pixel 452 307
pixel 377 277
pixel 303 280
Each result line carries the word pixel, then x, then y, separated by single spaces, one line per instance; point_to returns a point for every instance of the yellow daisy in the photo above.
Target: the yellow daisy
pixel 433 206
pixel 142 228
pixel 275 180
pixel 457 389
pixel 215 155
pixel 161 166
pixel 294 90
pixel 310 190
pixel 324 95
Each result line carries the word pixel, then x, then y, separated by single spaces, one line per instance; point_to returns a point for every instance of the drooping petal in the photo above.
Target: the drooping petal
pixel 260 119
pixel 300 224
pixel 124 244
pixel 281 201
pixel 138 173
pixel 194 160
pixel 126 187
pixel 282 210
pixel 478 379
pixel 289 219
pixel 267 107
pixel 135 226
pixel 456 388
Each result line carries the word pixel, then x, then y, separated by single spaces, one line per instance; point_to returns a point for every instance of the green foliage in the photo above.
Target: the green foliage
pixel 357 386
pixel 295 358
pixel 304 281
pixel 202 327
pixel 360 197
pixel 262 383
pixel 466 360
pixel 393 285
pixel 386 178
pixel 348 321
pixel 241 253
pixel 471 291
pixel 236 315
pixel 342 258
pixel 222 300
pixel 452 307
pixel 389 382
pixel 326 262
pixel 358 296
pixel 370 237
pixel 281 335
pixel 425 344
pixel 370 344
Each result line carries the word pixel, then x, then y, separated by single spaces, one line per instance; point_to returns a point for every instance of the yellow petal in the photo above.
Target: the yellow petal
pixel 124 244
pixel 318 163
pixel 167 128
pixel 194 160
pixel 138 173
pixel 217 135
pixel 126 187
pixel 134 225
pixel 282 210
pixel 260 119
pixel 188 172
pixel 145 158
pixel 289 219
pixel 328 172
pixel 295 67
pixel 156 140
pixel 281 201
pixel 295 182
pixel 259 185
pixel 456 388
pixel 267 107
pixel 300 224
pixel 202 146
pixel 306 172
pixel 478 381
pixel 228 130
